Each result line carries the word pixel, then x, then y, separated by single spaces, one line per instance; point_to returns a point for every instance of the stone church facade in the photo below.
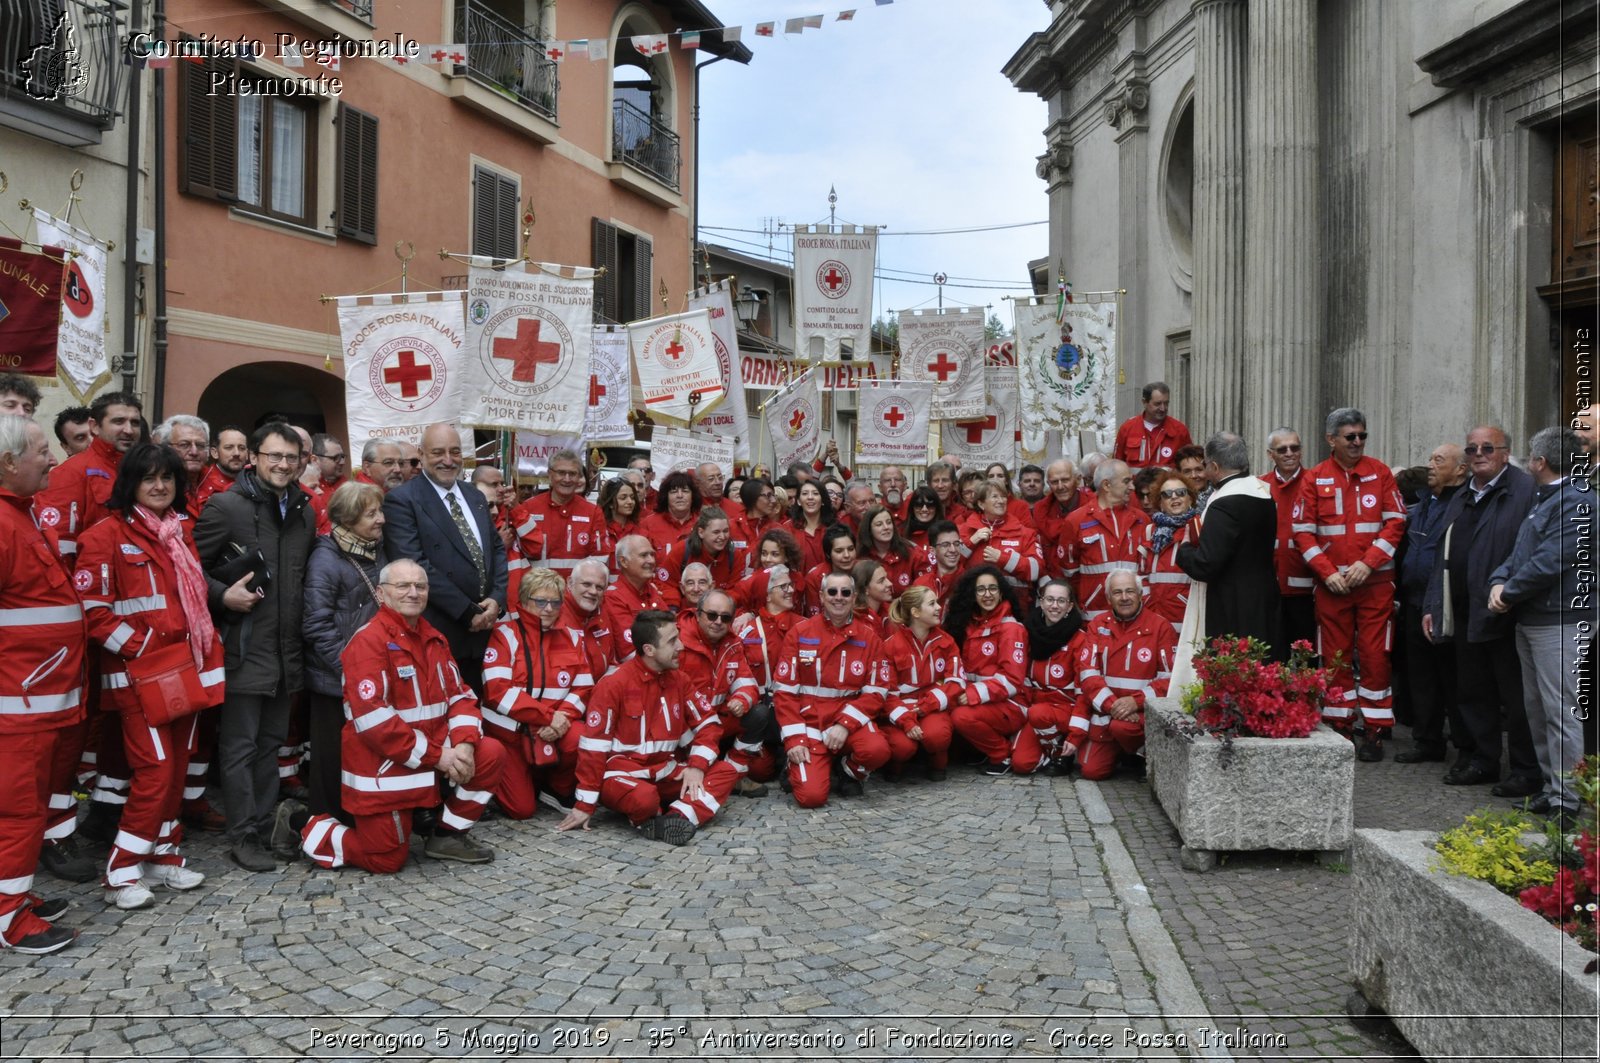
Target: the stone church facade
pixel 1389 204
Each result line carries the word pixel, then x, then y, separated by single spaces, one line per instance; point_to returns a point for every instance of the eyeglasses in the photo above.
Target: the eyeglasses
pixel 1293 448
pixel 413 462
pixel 330 457
pixel 1063 602
pixel 1177 492
pixel 1475 449
pixel 986 589
pixel 948 544
pixel 922 504
pixel 277 458
pixel 839 592
pixel 711 614
pixel 544 603
pixel 780 587
pixel 404 587
pixel 1354 437
pixel 187 447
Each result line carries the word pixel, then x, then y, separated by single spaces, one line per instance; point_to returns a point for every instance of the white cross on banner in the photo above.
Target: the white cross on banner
pixel 1071 391
pixel 833 290
pixel 992 436
pixel 606 419
pixel 401 355
pixel 893 419
pixel 528 339
pixel 675 357
pixel 730 418
pixel 945 348
pixel 794 421
pixel 81 342
pixel 675 449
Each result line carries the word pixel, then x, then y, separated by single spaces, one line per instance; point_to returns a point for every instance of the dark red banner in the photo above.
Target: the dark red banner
pixel 30 308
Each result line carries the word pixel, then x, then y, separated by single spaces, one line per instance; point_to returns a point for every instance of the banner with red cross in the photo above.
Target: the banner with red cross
pixel 401 355
pixel 606 418
pixel 730 418
pixel 893 422
pixel 675 364
pixel 993 436
pixel 529 332
pixel 794 421
pixel 833 269
pixel 945 348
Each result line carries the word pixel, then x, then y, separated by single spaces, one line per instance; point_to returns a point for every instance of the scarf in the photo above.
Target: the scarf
pixel 352 543
pixel 168 531
pixel 1167 526
pixel 1045 638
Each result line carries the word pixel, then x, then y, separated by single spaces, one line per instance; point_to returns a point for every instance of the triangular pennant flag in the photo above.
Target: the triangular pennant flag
pixel 555 51
pixel 690 39
pixel 731 34
pixel 597 50
pixel 812 22
pixel 764 29
pixel 794 25
pixel 846 16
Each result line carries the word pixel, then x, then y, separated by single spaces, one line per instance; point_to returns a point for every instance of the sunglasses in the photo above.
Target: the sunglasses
pixel 839 592
pixel 726 618
pixel 1293 448
pixel 923 504
pixel 544 603
pixel 1482 448
pixel 1354 437
pixel 1175 493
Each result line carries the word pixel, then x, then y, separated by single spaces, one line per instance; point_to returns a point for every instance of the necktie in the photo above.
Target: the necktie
pixel 468 534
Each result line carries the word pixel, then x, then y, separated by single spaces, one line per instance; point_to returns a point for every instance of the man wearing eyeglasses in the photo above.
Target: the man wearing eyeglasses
pixel 1348 522
pixel 190 437
pixel 1296 583
pixel 560 527
pixel 713 662
pixel 382 463
pixel 830 684
pixel 944 543
pixel 1478 529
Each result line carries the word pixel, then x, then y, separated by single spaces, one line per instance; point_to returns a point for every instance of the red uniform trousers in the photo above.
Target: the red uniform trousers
pixel 863 753
pixel 1359 626
pixel 747 755
pixel 294 747
pixel 24 800
pixel 205 747
pixel 150 830
pixel 641 791
pixel 1098 757
pixel 989 727
pixel 518 788
pixel 937 734
pixel 1038 740
pixel 380 841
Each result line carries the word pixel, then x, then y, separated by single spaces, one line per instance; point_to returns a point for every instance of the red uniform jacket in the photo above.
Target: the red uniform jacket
pixel 1053 681
pixel 403 699
pixel 558 537
pixel 664 532
pixel 995 657
pixel 810 543
pixel 130 599
pixel 531 674
pixel 1121 659
pixel 1018 543
pixel 79 489
pixel 1140 446
pixel 924 677
pixel 1294 575
pixel 828 675
pixel 761 639
pixel 902 568
pixel 1349 515
pixel 1098 542
pixel 42 632
pixel 618 607
pixel 646 725
pixel 1168 584
pixel 719 673
pixel 727 569
pixel 210 483
pixel 597 634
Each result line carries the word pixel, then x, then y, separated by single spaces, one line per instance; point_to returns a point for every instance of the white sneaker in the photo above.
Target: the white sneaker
pixel 173 876
pixel 129 897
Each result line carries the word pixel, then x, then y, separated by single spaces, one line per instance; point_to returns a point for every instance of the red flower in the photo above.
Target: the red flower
pixel 1554 901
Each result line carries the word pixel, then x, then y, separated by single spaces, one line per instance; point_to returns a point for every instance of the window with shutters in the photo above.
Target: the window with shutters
pixel 622 293
pixel 357 208
pixel 494 213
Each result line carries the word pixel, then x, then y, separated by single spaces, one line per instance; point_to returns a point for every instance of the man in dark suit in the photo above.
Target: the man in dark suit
pixel 430 519
pixel 1234 554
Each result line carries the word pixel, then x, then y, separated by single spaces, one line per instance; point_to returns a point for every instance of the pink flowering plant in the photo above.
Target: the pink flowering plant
pixel 1241 693
pixel 1570 901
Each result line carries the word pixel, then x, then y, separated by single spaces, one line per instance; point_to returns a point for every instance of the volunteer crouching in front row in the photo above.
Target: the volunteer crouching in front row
pixel 412 720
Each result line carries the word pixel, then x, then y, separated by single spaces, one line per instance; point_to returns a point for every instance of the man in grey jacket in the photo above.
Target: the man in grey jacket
pixel 264 509
pixel 1548 584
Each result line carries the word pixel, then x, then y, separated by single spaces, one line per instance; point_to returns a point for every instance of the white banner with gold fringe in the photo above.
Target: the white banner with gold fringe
pixel 401 356
pixel 529 332
pixel 1067 373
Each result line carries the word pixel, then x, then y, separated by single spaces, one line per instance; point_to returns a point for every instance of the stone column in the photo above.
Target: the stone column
pixel 1127 109
pixel 1283 231
pixel 1217 338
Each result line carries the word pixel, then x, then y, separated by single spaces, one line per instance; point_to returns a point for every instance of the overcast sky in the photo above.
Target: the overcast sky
pixel 903 110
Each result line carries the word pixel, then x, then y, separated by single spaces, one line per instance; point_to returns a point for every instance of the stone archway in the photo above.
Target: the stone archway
pixel 247 394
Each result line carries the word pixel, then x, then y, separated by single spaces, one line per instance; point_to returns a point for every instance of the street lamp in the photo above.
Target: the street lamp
pixel 747 307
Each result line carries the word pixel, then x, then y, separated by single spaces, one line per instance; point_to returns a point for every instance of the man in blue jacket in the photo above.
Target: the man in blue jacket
pixel 1548 584
pixel 1431 677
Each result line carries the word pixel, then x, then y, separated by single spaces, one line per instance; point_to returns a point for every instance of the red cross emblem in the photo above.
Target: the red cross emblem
pixel 409 374
pixel 832 279
pixel 797 421
pixel 942 367
pixel 976 429
pixel 675 350
pixel 894 417
pixel 556 54
pixel 526 351
pixel 458 57
pixel 659 46
pixel 597 390
pixel 438 55
pixel 401 60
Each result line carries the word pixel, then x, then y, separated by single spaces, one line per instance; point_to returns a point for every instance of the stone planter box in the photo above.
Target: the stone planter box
pixel 1460 968
pixel 1274 793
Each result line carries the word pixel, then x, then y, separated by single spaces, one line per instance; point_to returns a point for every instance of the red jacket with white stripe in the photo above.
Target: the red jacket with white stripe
pixel 1131 658
pixel 403 699
pixel 530 674
pixel 761 639
pixel 1097 542
pixel 79 489
pixel 719 672
pixel 1053 681
pixel 646 725
pixel 212 481
pixel 727 569
pixel 924 677
pixel 596 633
pixel 903 569
pixel 1349 515
pixel 42 631
pixel 620 604
pixel 1140 446
pixel 995 656
pixel 1020 557
pixel 1294 575
pixel 558 537
pixel 1168 585
pixel 130 599
pixel 1049 517
pixel 828 675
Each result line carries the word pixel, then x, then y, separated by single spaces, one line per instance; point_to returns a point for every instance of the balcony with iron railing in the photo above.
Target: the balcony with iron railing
pixel 361 9
pixel 60 66
pixel 644 143
pixel 507 58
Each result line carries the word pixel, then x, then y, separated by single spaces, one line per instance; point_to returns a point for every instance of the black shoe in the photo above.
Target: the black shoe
pixel 1002 768
pixel 1539 806
pixel 1420 755
pixel 1370 751
pixel 1471 775
pixel 783 781
pixel 936 774
pixel 54 939
pixel 66 860
pixel 250 854
pixel 846 785
pixel 671 828
pixel 51 908
pixel 1133 764
pixel 1517 786
pixel 423 820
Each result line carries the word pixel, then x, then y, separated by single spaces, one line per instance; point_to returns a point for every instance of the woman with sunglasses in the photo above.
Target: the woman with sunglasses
pixel 536 677
pixel 882 542
pixel 922 509
pixel 839 548
pixel 926 680
pixel 677 506
pixel 992 536
pixel 1055 637
pixel 1176 522
pixel 874 592
pixel 982 618
pixel 762 634
pixel 811 515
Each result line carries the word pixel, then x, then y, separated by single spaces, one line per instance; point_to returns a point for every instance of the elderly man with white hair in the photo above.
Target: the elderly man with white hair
pixel 1102 537
pixel 1126 661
